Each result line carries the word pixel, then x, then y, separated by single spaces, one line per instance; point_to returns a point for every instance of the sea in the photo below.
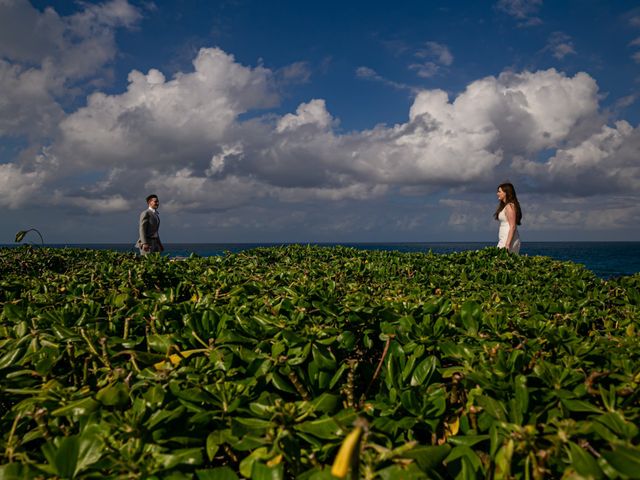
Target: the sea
pixel 605 259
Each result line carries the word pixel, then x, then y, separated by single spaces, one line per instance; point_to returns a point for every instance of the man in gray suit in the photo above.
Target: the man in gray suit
pixel 149 241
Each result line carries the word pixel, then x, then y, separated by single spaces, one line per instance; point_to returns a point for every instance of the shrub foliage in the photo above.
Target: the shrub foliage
pixel 260 364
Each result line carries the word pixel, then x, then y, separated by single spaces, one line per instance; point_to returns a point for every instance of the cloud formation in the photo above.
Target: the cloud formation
pixel 523 10
pixel 435 56
pixel 43 56
pixel 560 45
pixel 367 73
pixel 604 163
pixel 185 136
pixel 207 140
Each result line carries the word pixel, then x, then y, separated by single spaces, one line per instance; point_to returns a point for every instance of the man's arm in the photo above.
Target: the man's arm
pixel 144 225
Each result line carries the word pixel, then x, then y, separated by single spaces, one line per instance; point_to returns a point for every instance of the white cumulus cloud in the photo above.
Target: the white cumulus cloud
pixel 604 163
pixel 43 54
pixel 186 139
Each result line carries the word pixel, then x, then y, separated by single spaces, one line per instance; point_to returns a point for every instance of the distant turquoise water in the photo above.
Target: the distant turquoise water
pixel 605 259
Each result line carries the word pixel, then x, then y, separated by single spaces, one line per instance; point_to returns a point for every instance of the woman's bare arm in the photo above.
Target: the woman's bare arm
pixel 510 212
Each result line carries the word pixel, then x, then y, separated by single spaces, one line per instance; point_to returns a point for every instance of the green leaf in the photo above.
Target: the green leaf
pixel 114 395
pixel 214 441
pixel 15 471
pixel 503 461
pixel 252 424
pixel 424 371
pixel 164 416
pixel 493 407
pixel 618 424
pixel 218 473
pixel 10 358
pixel 584 463
pixel 323 358
pixel 325 402
pixel 91 447
pixel 325 428
pixel 336 376
pixel 77 408
pixel 185 456
pixel 463 452
pixel 522 393
pixel 625 460
pixel 467 440
pixel 470 314
pixel 580 406
pixel 395 472
pixel 249 442
pixel 280 383
pixel 66 456
pixel 161 343
pixel 14 313
pixel 261 471
pixel 429 458
pixel 246 465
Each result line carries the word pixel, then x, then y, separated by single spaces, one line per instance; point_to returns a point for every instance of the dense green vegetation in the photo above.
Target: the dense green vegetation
pixel 260 364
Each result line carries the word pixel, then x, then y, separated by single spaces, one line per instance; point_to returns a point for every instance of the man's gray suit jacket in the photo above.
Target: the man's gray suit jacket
pixel 149 225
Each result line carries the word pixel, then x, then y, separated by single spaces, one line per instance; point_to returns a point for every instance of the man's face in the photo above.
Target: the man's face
pixel 154 202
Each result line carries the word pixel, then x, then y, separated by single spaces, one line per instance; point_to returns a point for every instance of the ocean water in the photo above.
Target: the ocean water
pixel 605 259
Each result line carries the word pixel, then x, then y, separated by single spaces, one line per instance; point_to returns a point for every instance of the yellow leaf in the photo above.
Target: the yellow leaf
pixel 175 358
pixel 274 461
pixel 453 427
pixel 343 460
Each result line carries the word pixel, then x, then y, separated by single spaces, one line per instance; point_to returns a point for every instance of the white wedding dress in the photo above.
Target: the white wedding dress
pixel 503 233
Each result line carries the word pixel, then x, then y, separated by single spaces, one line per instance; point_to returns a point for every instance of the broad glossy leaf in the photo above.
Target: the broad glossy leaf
pixel 76 408
pixel 470 314
pixel 218 473
pixel 618 424
pixel 15 471
pixel 423 372
pixel 429 457
pixel 326 402
pixel 114 395
pixel 185 456
pixel 409 472
pixel 63 456
pixel 280 383
pixel 262 471
pixel 467 440
pixel 214 441
pixel 493 407
pixel 625 459
pixel 164 416
pixel 503 461
pixel 522 393
pixel 584 463
pixel 161 343
pixel 463 452
pixel 580 406
pixel 246 425
pixel 10 358
pixel 325 428
pixel 246 465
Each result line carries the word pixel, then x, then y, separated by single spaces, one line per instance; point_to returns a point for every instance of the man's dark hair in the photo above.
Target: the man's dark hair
pixel 151 196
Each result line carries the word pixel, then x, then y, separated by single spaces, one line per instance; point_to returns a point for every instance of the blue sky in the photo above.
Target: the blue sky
pixel 259 121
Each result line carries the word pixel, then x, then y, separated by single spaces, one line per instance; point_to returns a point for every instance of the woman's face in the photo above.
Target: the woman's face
pixel 501 195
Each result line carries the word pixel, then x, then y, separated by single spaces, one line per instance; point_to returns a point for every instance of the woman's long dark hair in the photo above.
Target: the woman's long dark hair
pixel 510 197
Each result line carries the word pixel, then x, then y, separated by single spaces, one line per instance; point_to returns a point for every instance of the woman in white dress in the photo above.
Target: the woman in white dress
pixel 509 215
